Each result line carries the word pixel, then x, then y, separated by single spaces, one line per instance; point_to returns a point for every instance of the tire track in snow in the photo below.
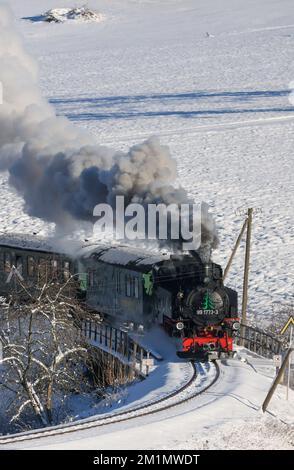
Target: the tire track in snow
pixel 257 30
pixel 203 128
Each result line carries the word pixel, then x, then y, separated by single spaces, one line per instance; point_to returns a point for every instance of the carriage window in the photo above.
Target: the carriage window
pixel 31 266
pixel 54 267
pixel 19 264
pixel 66 271
pixel 136 287
pixel 42 265
pixel 7 262
pixel 91 278
pixel 128 286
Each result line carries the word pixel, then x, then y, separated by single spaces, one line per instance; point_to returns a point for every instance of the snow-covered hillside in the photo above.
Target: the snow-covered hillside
pixel 212 79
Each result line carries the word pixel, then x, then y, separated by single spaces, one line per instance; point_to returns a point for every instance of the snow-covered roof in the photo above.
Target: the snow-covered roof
pixel 112 254
pixel 138 259
pixel 29 242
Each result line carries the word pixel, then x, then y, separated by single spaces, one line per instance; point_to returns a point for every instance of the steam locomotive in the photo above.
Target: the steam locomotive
pixel 204 312
pixel 125 285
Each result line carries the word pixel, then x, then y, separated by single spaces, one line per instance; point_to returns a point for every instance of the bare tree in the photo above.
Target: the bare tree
pixel 43 352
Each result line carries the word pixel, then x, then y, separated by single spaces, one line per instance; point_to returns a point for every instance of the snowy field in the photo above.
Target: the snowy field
pixel 212 80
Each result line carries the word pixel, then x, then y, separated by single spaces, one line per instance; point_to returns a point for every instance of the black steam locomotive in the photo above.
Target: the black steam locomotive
pixel 180 292
pixel 204 312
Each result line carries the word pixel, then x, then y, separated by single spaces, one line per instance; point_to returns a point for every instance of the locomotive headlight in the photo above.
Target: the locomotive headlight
pixel 236 326
pixel 180 325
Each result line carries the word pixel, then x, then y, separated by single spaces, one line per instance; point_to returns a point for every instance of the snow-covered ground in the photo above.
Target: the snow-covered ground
pixel 167 375
pixel 227 416
pixel 219 100
pixel 213 80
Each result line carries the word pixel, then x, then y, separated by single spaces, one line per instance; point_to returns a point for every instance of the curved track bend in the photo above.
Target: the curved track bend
pixel 191 389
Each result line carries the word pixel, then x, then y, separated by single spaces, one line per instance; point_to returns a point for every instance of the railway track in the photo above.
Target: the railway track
pixel 188 391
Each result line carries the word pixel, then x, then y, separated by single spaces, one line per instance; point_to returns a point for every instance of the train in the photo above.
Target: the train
pixel 128 285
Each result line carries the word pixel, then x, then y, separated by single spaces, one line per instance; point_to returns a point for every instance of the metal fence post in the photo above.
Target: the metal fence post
pixel 135 346
pixel 141 359
pixel 147 366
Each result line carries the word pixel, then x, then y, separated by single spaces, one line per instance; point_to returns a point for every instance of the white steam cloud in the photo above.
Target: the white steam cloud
pixel 56 167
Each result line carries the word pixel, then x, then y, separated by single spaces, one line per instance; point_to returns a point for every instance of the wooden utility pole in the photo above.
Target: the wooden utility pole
pixel 246 225
pixel 246 271
pixel 235 249
pixel 277 379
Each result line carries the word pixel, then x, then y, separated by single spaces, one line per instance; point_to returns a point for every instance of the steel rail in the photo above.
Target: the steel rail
pixel 121 416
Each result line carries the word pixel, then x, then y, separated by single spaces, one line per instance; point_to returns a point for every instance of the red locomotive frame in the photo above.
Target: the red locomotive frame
pixel 210 342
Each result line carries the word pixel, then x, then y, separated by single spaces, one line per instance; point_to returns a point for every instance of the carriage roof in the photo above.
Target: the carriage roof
pixel 27 242
pixel 137 259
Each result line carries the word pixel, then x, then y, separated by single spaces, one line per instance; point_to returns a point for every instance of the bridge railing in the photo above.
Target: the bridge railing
pixel 118 343
pixel 258 341
pixel 126 349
